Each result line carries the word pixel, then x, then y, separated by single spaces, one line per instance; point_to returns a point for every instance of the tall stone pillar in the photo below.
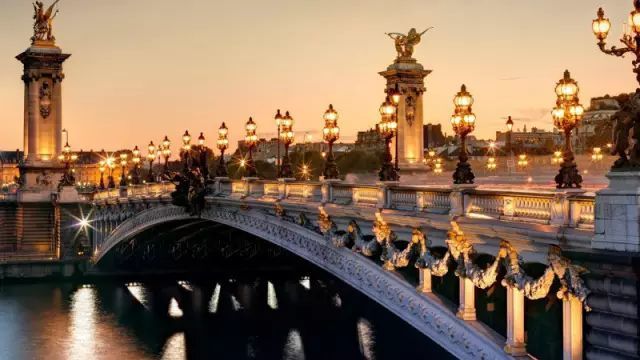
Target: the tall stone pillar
pixel 407 76
pixel 42 76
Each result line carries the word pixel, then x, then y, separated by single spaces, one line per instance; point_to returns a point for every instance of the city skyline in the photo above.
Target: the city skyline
pixel 187 68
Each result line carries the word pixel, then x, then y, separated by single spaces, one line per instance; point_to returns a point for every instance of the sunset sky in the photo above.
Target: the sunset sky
pixel 142 69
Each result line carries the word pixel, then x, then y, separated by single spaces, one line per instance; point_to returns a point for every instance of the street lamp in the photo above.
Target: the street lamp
pixel 202 157
pixel 387 128
pixel 597 154
pixel 437 169
pixel 566 116
pixel 491 163
pixel 556 159
pixel 463 121
pixel 278 118
pixel 152 153
pixel 395 95
pixel 102 167
pixel 630 39
pixel 111 163
pixel 135 159
pixel 67 158
pixel 166 152
pixel 186 148
pixel 223 144
pixel 287 137
pixel 523 161
pixel 123 164
pixel 509 132
pixel 251 141
pixel 330 134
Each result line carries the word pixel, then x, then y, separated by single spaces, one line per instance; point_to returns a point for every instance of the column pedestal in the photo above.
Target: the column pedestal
pixel 617 214
pixel 515 323
pixel 467 308
pixel 425 280
pixel 572 328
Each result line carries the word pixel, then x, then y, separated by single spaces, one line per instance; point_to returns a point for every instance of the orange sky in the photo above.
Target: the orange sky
pixel 142 69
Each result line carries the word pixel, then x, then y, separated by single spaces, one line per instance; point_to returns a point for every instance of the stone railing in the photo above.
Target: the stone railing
pixel 571 209
pixel 146 190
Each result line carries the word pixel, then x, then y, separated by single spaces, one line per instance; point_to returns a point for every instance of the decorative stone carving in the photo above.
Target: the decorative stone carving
pixel 325 224
pixel 569 275
pixel 45 100
pixel 438 267
pixel 516 277
pixel 391 256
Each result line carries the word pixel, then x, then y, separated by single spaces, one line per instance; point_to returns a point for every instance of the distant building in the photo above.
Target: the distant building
pixel 600 111
pixel 9 161
pixel 536 140
pixel 369 140
pixel 433 136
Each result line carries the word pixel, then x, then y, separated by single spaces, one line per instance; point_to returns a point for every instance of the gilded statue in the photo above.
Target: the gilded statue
pixel 405 43
pixel 43 24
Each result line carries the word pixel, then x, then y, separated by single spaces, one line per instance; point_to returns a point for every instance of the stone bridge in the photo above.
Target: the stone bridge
pixel 389 241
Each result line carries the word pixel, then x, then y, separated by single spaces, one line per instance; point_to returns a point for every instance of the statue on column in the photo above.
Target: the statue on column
pixel 43 24
pixel 405 43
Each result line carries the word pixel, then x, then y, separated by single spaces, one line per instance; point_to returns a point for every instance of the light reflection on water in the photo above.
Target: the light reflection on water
pixel 286 320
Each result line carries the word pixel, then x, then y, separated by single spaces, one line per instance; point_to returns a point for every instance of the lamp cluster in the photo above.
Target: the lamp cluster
pixel 566 116
pixel 463 122
pixel 330 134
pixel 388 127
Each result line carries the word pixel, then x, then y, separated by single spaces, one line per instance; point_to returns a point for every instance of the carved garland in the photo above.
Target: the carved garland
pixel 461 250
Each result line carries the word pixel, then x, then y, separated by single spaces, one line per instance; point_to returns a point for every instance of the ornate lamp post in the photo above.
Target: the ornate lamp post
pixel 223 144
pixel 186 150
pixel 630 39
pixel 111 163
pixel 67 158
pixel 166 152
pixel 123 164
pixel 250 140
pixel 202 157
pixel 566 116
pixel 286 135
pixel 463 121
pixel 102 167
pixel 387 128
pixel 509 132
pixel 151 157
pixel 135 159
pixel 330 134
pixel 395 95
pixel 278 118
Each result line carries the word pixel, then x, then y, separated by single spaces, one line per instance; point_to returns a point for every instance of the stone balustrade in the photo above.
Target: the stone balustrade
pixel 569 209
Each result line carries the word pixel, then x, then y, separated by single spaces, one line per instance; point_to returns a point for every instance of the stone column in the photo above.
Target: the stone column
pixel 34 115
pixel 515 322
pixel 407 75
pixel 572 343
pixel 467 308
pixel 425 280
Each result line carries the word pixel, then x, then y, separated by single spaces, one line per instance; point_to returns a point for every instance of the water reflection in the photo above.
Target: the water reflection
pixel 82 327
pixel 257 318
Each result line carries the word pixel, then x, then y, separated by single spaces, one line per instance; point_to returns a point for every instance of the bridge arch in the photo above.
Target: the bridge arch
pixel 423 311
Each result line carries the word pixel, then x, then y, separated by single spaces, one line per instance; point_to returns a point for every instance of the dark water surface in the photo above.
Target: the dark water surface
pixel 256 317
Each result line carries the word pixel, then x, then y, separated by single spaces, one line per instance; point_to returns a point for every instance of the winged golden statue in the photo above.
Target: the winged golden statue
pixel 43 24
pixel 405 43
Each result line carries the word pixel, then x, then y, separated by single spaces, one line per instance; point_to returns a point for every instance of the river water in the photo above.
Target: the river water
pixel 253 317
